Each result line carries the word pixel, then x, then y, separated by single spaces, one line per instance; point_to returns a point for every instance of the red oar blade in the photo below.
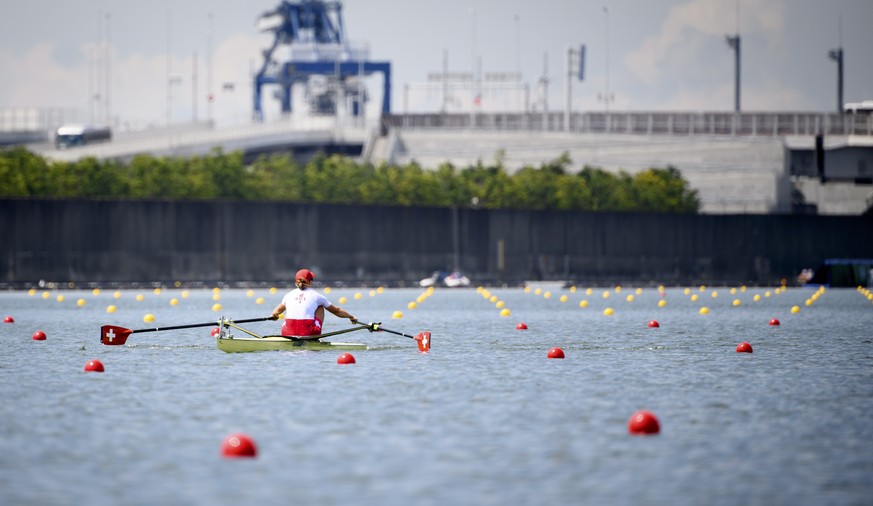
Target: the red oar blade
pixel 112 335
pixel 423 339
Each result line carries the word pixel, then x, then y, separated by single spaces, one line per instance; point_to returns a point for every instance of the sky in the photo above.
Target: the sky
pixel 651 55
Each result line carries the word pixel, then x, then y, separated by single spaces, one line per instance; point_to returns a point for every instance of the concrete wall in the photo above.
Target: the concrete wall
pixel 165 241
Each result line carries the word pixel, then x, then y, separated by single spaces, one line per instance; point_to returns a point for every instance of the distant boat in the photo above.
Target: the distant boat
pixel 453 280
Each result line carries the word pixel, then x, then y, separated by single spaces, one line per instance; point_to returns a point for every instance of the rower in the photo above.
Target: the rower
pixel 304 308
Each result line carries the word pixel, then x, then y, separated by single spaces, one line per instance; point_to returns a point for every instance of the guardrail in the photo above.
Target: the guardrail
pixel 754 124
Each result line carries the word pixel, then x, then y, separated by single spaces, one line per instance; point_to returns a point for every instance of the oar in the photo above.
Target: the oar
pixel 113 335
pixel 423 338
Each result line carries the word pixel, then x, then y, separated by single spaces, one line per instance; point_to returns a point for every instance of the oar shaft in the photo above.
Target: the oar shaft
pixel 194 325
pixel 383 329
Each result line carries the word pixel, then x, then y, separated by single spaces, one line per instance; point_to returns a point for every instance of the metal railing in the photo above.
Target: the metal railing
pixel 751 124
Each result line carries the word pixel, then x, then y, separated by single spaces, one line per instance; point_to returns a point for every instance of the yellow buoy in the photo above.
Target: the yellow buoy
pixel 608 312
pixel 148 318
pixel 795 309
pixel 177 284
pixel 216 307
pixel 662 303
pixel 694 298
pixel 686 291
pixel 31 292
pixel 808 302
pixel 704 310
pixel 639 291
pixel 372 293
pixel 397 315
pixel 618 289
pixel 358 295
pixel 757 297
pixel 110 308
pixel 174 301
pixel 563 298
pixel 527 289
pixel 184 294
pixel 733 291
pixel 714 294
pixel 140 297
pixel 736 302
pixel 81 302
pixel 412 305
pixel 250 293
pixel 589 291
pixel 216 296
pixel 259 300
pixel 46 295
pixel 157 291
pixel 573 289
pixel 343 300
pixel 583 303
pixel 606 294
pixel 327 290
pixel 95 291
pixel 117 294
pixel 538 291
pixel 500 304
pixel 504 312
pixel 272 289
pixel 767 293
pixel 629 298
pixel 547 295
pixel 381 289
pixel 493 299
pixel 61 298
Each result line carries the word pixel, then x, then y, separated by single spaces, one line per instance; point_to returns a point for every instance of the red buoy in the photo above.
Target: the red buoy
pixel 744 348
pixel 556 353
pixel 238 445
pixel 94 366
pixel 8 319
pixel 774 322
pixel 346 358
pixel 654 324
pixel 215 331
pixel 521 326
pixel 39 336
pixel 643 423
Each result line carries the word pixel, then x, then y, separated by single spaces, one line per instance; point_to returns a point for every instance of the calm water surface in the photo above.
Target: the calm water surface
pixel 485 418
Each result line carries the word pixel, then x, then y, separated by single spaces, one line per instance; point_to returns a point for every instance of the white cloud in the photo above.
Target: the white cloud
pixel 688 25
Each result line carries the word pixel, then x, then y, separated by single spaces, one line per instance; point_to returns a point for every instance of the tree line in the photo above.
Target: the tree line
pixel 337 179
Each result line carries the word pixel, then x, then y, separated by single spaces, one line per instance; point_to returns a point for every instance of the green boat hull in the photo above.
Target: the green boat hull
pixel 279 343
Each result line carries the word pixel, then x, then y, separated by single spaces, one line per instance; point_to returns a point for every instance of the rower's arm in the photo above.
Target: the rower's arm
pixel 276 312
pixel 341 313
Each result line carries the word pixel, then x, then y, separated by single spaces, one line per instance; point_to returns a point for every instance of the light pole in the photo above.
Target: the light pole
pixel 518 53
pixel 473 68
pixel 607 96
pixel 837 56
pixel 209 97
pixel 734 43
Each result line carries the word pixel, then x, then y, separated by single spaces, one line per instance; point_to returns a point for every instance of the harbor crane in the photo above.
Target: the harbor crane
pixel 310 49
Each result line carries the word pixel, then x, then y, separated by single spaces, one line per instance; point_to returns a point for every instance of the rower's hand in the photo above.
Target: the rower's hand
pixel 274 317
pixel 353 320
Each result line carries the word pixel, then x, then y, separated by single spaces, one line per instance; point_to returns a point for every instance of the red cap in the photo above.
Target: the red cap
pixel 304 274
